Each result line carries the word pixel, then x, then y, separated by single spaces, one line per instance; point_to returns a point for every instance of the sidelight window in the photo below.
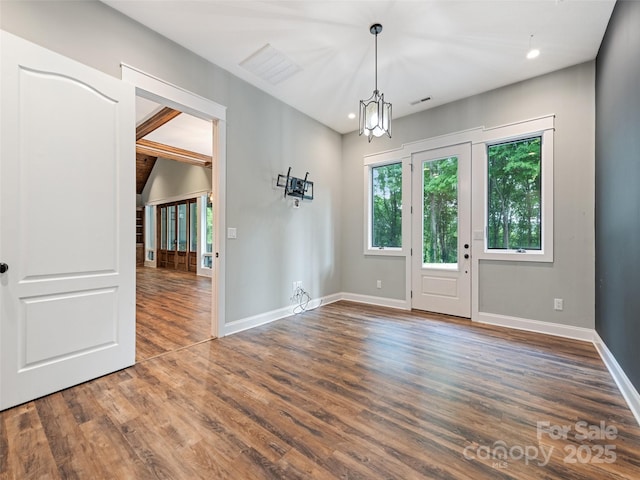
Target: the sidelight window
pixel 514 214
pixel 386 206
pixel 518 191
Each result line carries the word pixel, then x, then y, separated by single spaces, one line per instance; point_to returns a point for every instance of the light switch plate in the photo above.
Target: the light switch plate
pixel 231 232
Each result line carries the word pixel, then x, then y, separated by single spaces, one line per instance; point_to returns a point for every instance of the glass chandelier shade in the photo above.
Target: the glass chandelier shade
pixel 375 113
pixel 375 116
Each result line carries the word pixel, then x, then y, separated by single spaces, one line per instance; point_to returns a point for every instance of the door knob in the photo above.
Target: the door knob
pixel 466 255
pixel 466 245
pixel 3 267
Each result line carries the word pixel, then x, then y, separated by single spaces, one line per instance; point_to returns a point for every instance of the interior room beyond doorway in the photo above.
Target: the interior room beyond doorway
pixel 173 280
pixel 173 310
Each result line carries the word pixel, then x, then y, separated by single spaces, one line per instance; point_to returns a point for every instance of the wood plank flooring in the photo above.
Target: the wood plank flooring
pixel 346 391
pixel 173 310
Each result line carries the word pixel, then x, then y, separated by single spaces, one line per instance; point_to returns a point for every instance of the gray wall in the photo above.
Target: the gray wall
pixel 618 188
pixel 523 290
pixel 276 245
pixel 170 179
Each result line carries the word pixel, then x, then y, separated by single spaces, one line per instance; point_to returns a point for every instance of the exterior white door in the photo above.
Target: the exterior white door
pixel 441 230
pixel 67 204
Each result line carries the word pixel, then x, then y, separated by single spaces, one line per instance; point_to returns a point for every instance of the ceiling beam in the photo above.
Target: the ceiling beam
pixel 156 149
pixel 156 121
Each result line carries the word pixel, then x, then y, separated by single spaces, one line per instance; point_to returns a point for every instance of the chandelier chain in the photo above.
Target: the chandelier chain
pixel 376 61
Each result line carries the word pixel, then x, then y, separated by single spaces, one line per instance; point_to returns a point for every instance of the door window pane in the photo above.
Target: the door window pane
pixel 440 208
pixel 171 228
pixel 193 227
pixel 514 195
pixel 386 206
pixel 163 227
pixel 182 227
pixel 209 227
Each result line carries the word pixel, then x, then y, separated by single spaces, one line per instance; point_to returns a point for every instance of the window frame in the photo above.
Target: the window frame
pixel 203 203
pixel 405 237
pixel 542 127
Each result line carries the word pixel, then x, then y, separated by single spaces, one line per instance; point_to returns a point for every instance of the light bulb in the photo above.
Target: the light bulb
pixel 533 53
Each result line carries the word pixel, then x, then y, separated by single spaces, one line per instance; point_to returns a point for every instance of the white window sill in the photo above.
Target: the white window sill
pixel 515 256
pixel 386 252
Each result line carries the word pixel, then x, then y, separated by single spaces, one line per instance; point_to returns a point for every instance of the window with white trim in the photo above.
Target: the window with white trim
pixel 386 206
pixel 386 181
pixel 518 192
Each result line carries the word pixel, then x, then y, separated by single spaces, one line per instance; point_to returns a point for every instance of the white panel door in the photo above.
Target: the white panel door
pixel 67 204
pixel 441 230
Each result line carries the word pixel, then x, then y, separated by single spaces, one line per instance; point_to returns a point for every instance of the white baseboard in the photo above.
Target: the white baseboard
pixel 268 317
pixel 255 321
pixel 555 329
pixel 625 386
pixel 378 301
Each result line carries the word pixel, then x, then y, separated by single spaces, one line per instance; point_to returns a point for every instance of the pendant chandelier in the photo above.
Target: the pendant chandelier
pixel 375 113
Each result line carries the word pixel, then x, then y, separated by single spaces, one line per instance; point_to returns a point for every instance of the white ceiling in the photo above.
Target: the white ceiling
pixel 445 49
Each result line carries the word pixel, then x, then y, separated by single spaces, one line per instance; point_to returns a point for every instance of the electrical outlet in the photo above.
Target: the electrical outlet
pixel 379 284
pixel 558 304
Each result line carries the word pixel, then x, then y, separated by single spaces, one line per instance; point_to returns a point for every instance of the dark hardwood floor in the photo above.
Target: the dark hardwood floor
pixel 173 310
pixel 346 391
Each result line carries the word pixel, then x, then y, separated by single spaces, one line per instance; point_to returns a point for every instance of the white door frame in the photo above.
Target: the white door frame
pixel 444 141
pixel 159 91
pixel 442 298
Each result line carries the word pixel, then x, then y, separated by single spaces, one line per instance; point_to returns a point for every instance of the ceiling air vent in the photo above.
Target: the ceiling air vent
pixel 416 102
pixel 270 64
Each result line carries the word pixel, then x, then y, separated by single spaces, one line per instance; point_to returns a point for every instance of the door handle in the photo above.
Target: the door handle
pixel 3 267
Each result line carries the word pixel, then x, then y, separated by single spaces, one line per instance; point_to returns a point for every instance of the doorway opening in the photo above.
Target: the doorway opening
pixel 183 305
pixel 174 229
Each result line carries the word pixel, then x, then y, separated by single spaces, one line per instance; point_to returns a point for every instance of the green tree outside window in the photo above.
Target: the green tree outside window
pixel 386 211
pixel 440 211
pixel 515 195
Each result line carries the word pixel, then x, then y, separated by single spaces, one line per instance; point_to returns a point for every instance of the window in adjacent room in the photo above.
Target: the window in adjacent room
pixel 207 250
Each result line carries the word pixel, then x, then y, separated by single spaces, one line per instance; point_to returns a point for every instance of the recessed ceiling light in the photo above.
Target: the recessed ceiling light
pixel 533 53
pixel 351 116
